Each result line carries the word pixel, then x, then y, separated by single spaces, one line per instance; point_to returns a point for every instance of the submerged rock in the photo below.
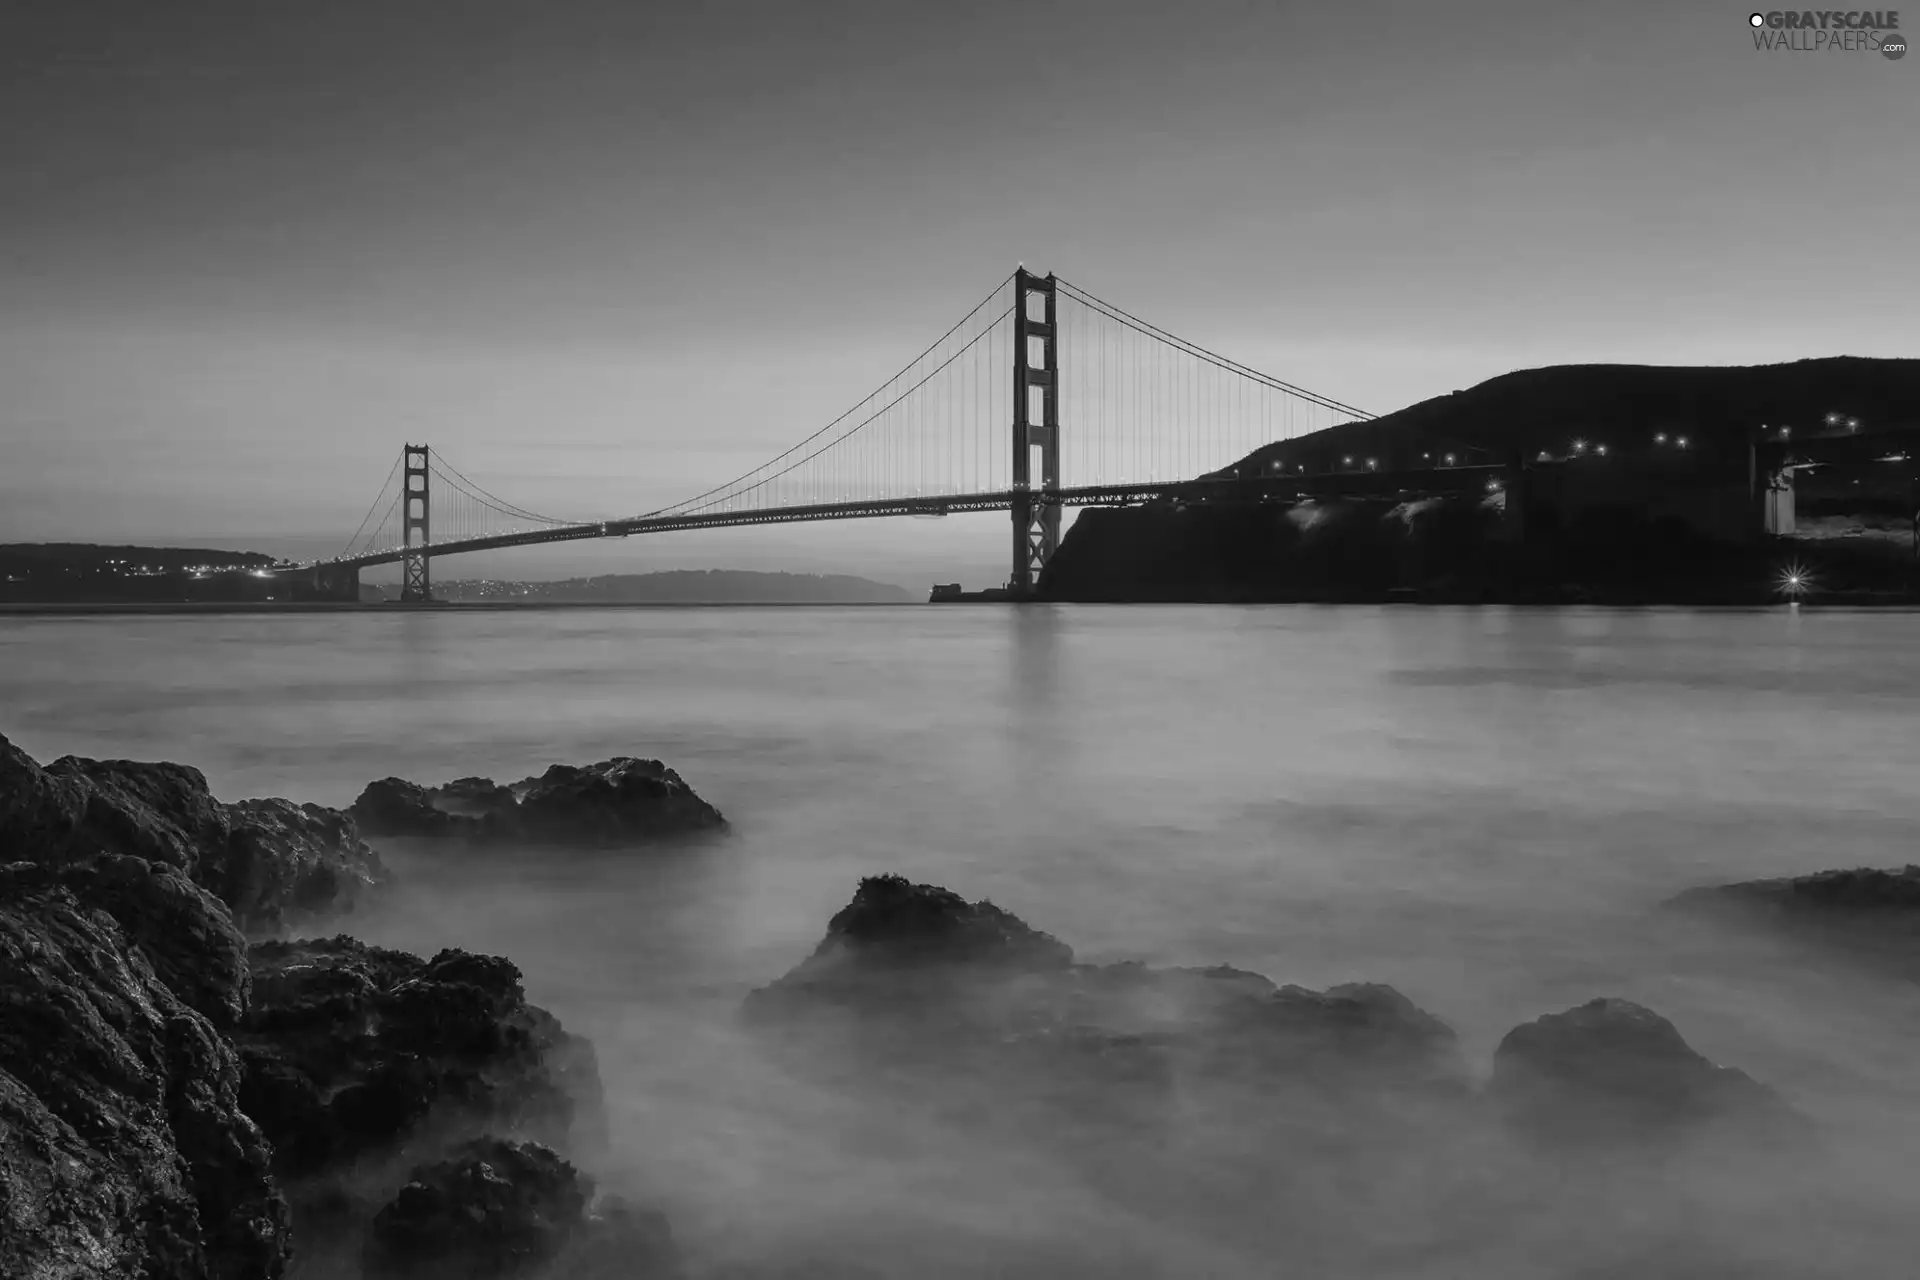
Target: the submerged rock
pixel 1883 896
pixel 351 1050
pixel 274 864
pixel 619 801
pixel 500 1209
pixel 912 973
pixel 1611 1069
pixel 123 1148
pixel 1869 916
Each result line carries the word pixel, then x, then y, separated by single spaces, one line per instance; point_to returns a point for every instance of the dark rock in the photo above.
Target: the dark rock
pixel 914 975
pixel 351 1049
pixel 499 1209
pixel 287 865
pixel 1612 1069
pixel 396 807
pixel 186 933
pixel 123 1150
pixel 1893 896
pixel 274 864
pixel 619 801
pixel 475 797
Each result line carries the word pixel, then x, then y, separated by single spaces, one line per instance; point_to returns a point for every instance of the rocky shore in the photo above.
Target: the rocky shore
pixel 188 1088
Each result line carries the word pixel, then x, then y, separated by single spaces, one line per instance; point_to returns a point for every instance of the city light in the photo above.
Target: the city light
pixel 1681 441
pixel 1373 464
pixel 1833 419
pixel 1449 459
pixel 1660 437
pixel 1600 449
pixel 1794 581
pixel 1579 446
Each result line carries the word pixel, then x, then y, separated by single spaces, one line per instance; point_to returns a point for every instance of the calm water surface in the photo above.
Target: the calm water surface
pixel 1477 806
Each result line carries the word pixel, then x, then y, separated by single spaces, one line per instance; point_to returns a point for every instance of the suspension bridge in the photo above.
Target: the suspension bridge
pixel 1042 397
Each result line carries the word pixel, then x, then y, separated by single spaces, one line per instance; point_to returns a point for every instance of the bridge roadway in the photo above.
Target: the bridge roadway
pixel 1463 479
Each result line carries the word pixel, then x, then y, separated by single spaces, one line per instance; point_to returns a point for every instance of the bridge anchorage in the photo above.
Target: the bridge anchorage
pixel 1107 409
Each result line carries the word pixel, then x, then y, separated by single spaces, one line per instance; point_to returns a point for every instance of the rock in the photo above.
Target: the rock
pixel 500 1209
pixel 351 1049
pixel 1611 1069
pixel 185 932
pixel 619 801
pixel 288 865
pixel 123 1150
pixel 396 807
pixel 1891 896
pixel 274 864
pixel 913 975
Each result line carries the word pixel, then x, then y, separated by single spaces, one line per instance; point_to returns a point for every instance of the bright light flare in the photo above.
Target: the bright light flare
pixel 1793 581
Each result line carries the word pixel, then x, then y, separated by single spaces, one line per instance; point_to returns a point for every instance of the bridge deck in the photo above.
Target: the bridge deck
pixel 1467 479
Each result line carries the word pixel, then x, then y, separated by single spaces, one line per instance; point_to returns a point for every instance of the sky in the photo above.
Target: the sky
pixel 603 254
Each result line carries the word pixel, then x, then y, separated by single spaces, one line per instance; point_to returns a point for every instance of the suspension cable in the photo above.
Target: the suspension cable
pixel 850 412
pixel 376 505
pixel 1195 349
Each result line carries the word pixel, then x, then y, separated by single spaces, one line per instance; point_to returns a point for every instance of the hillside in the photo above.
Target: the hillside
pixel 1626 405
pixel 81 572
pixel 1645 523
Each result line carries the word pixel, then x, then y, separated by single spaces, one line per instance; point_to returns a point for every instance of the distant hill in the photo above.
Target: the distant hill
pixel 1647 526
pixel 39 557
pixel 684 586
pixel 85 572
pixel 1624 404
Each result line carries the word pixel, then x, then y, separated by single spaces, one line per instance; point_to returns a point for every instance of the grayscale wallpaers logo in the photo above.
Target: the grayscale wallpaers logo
pixel 1830 31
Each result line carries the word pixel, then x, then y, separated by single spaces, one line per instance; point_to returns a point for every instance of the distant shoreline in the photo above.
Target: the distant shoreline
pixel 69 609
pixel 80 608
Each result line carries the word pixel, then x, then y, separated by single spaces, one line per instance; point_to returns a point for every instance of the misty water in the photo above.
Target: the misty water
pixel 1481 807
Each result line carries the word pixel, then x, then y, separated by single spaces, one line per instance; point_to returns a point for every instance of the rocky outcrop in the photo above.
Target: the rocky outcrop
pixel 914 974
pixel 619 801
pixel 1868 916
pixel 500 1209
pixel 185 933
pixel 353 1050
pixel 125 1152
pixel 290 866
pixel 274 864
pixel 1612 1070
pixel 1887 897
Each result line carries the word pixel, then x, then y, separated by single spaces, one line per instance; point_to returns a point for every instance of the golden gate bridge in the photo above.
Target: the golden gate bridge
pixel 1042 397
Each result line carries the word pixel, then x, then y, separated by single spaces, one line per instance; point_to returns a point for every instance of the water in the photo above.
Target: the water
pixel 1479 806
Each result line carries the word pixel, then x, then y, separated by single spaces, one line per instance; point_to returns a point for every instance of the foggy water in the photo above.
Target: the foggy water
pixel 1480 807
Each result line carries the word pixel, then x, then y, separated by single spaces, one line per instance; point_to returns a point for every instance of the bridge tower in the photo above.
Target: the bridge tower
pixel 416 585
pixel 1036 424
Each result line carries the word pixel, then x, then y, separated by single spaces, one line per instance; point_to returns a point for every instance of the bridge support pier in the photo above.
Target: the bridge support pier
pixel 1036 424
pixel 416 586
pixel 1516 484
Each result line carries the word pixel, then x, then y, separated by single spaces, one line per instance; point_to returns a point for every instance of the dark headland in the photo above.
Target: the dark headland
pixel 1637 485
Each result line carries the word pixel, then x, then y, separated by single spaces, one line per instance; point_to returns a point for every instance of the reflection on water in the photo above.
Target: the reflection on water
pixel 1477 806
